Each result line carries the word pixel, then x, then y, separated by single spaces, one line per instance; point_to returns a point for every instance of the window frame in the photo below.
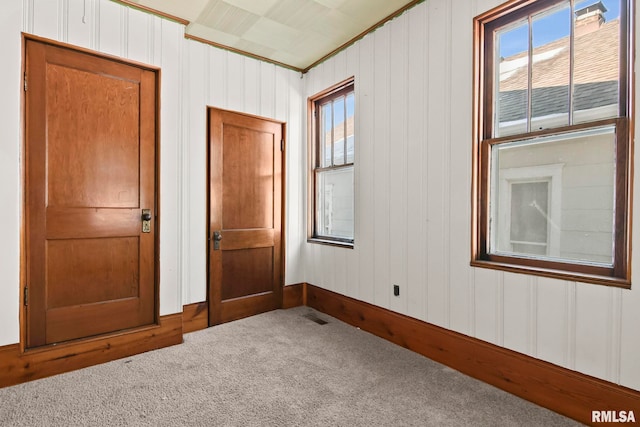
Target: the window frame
pixel 313 120
pixel 619 274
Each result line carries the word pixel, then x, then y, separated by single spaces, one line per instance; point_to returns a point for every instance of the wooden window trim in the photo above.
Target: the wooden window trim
pixel 619 274
pixel 330 93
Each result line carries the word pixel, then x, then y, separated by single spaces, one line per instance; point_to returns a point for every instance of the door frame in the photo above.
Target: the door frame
pixel 282 207
pixel 23 316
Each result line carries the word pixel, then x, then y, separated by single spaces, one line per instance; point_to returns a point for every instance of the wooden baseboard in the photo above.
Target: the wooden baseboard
pixel 17 367
pixel 195 317
pixel 567 392
pixel 293 296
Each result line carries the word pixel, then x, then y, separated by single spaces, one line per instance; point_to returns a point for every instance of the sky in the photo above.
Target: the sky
pixel 549 28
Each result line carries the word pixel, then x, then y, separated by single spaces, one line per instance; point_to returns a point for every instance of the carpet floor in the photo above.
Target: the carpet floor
pixel 280 368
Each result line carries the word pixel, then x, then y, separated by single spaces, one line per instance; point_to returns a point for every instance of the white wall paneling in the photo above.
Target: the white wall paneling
pixel 171 155
pixel 460 280
pixel 398 162
pixel 10 169
pixel 412 178
pixel 437 146
pixel 365 231
pixel 416 244
pixel 413 80
pixel 381 181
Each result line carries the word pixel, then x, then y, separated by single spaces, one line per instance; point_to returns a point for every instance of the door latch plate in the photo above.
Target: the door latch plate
pixel 146 220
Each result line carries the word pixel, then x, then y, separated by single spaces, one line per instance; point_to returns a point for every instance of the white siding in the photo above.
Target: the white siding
pixel 193 76
pixel 413 82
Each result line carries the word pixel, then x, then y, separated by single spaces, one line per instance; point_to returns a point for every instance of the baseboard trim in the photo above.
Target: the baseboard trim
pixel 195 317
pixel 18 367
pixel 293 295
pixel 561 390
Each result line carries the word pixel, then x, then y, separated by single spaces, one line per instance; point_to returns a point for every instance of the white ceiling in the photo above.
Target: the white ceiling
pixel 295 33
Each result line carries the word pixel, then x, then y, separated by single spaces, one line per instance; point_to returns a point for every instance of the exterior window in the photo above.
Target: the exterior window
pixel 552 139
pixel 332 152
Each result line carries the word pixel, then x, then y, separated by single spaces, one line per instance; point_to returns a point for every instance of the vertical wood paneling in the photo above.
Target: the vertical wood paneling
pixel 267 88
pixel 615 336
pixel 381 147
pixel 11 17
pixel 593 320
pixel 79 22
pixel 570 344
pixel 110 28
pixel 296 172
pixel 629 342
pixel 416 112
pixel 516 311
pixel 340 66
pixel 234 82
pixel 251 88
pixel 533 316
pixel 339 269
pixel 171 58
pixel 486 308
pixel 365 230
pixel 399 57
pixel 552 320
pixel 352 257
pixel 460 167
pixel 630 304
pixel 218 78
pixel 437 152
pixel 194 230
pixel 138 36
pixel 45 19
pixel 155 40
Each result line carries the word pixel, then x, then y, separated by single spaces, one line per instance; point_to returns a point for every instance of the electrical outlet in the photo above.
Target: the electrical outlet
pixel 396 290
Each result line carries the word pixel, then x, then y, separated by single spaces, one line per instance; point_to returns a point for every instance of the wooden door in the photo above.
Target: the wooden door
pixel 245 215
pixel 90 171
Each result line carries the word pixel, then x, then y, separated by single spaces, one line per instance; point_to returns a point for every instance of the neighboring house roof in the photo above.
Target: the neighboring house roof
pixel 595 75
pixel 338 136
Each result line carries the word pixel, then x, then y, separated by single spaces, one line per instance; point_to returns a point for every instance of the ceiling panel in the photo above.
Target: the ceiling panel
pixel 294 33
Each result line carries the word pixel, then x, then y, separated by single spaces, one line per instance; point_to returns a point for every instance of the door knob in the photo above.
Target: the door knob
pixel 146 220
pixel 216 240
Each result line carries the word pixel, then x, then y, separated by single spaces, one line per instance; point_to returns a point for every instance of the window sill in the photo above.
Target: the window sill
pixel 554 274
pixel 329 242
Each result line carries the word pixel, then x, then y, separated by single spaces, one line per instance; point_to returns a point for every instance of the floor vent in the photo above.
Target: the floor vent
pixel 313 317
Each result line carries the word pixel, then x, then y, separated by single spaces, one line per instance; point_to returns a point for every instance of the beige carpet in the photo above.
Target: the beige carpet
pixel 276 369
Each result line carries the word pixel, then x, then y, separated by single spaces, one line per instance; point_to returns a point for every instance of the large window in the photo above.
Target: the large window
pixel 332 157
pixel 552 166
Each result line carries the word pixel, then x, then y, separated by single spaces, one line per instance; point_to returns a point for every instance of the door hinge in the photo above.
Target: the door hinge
pixel 25 81
pixel 282 145
pixel 26 296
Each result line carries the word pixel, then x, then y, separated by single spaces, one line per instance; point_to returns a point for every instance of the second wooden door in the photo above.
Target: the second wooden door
pixel 245 215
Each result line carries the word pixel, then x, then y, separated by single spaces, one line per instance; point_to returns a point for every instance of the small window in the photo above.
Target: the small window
pixel 553 139
pixel 332 151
